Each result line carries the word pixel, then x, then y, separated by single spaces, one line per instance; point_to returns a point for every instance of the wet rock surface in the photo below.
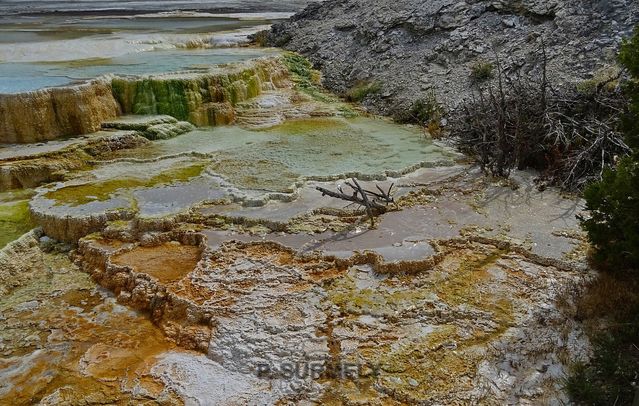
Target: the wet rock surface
pixel 205 98
pixel 479 314
pixel 66 341
pixel 229 165
pixel 411 48
pixel 47 162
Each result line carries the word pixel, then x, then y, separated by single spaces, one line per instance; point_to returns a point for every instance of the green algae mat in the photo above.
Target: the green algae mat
pixel 15 219
pixel 244 165
pixel 321 148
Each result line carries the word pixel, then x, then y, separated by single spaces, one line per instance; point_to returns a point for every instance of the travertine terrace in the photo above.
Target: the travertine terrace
pixel 167 245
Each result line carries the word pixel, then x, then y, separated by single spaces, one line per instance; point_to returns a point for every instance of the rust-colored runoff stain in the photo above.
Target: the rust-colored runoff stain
pixel 103 356
pixel 168 263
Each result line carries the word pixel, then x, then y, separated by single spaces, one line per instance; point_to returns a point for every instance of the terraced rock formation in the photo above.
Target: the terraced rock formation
pixel 204 98
pixel 261 93
pixel 442 311
pixel 150 127
pixel 24 167
pixel 66 341
pixel 175 264
pixel 247 167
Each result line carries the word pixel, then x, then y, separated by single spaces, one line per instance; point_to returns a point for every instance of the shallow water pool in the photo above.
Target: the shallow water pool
pixel 28 76
pixel 38 51
pixel 246 165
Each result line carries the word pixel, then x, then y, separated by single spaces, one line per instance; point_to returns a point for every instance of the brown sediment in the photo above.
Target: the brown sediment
pixel 162 277
pixel 166 269
pixel 154 278
pixel 65 343
pixel 168 263
pixel 97 356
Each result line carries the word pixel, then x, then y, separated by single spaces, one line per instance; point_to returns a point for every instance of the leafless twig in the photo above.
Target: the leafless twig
pixel 373 202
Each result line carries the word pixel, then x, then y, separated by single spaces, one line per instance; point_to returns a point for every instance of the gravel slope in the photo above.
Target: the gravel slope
pixel 413 46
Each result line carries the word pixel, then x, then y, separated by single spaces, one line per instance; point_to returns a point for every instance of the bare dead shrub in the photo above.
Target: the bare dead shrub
pixel 568 134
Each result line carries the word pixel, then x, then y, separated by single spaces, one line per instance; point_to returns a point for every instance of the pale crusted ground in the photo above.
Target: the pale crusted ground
pixel 462 296
pixel 482 316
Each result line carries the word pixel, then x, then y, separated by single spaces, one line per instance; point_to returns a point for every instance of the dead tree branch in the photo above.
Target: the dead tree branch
pixel 374 203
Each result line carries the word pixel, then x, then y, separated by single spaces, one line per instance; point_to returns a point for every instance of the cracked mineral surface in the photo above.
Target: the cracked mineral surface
pixel 429 307
pixel 172 248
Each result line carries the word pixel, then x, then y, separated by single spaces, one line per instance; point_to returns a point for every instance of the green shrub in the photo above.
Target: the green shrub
pixel 260 38
pixel 426 112
pixel 423 111
pixel 606 78
pixel 629 54
pixel 613 227
pixel 362 89
pixel 307 80
pixel 481 72
pixel 629 57
pixel 609 311
pixel 611 304
pixel 608 378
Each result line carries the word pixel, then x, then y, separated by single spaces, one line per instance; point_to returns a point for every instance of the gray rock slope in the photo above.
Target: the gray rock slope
pixel 413 47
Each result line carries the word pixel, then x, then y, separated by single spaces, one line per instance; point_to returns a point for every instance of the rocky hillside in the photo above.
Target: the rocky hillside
pixel 408 48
